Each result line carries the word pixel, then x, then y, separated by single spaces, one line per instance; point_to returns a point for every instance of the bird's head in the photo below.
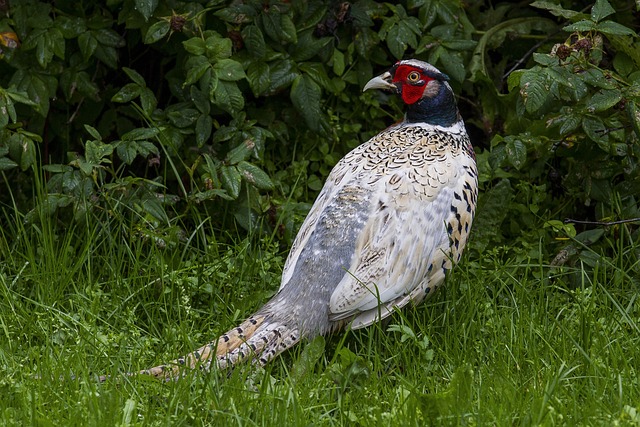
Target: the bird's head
pixel 424 90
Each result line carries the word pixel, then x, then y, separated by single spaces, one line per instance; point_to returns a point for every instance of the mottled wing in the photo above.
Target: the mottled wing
pixel 406 231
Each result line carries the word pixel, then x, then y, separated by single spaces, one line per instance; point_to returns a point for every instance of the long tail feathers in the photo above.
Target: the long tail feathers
pixel 256 338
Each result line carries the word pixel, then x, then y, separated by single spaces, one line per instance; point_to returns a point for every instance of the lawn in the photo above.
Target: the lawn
pixel 509 341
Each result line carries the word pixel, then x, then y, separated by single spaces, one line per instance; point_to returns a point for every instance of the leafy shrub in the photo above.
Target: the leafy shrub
pixel 161 113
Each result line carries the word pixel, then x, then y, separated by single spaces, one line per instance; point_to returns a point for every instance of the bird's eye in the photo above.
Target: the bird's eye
pixel 414 77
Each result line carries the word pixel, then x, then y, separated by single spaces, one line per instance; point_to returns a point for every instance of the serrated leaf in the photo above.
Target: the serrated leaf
pixel 229 70
pixel 613 28
pixel 231 180
pixel 600 10
pixel 127 93
pixel 157 31
pixel 584 25
pixel 570 123
pixel 306 96
pixel 533 90
pixel 255 176
pixel 604 99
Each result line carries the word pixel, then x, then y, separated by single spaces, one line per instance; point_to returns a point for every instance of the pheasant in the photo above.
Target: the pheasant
pixel 392 218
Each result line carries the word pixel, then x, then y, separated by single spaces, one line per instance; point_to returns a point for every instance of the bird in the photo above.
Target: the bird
pixel 391 220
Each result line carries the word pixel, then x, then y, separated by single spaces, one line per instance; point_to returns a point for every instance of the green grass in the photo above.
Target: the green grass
pixel 507 342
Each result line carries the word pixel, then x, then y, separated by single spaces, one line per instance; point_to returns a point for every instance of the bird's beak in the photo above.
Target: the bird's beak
pixel 383 81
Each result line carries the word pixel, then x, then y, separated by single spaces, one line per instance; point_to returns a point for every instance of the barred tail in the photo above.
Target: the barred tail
pixel 259 338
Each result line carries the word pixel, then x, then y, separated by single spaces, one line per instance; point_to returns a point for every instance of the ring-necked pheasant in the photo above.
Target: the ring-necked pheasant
pixel 392 218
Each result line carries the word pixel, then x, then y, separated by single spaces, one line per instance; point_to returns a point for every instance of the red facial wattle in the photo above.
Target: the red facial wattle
pixel 411 91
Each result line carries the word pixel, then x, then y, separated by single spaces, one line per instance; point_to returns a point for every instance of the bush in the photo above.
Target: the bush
pixel 162 113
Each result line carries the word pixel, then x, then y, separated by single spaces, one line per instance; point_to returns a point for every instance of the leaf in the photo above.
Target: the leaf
pixel 516 152
pixel 229 70
pixel 108 37
pixel 5 104
pixel 194 46
pixel 204 127
pixel 140 134
pixel 600 10
pixel 26 149
pixel 241 152
pixel 157 31
pixel 195 67
pixel 398 38
pixel 254 41
pixel 6 164
pixel 338 62
pixel 604 99
pixel 217 48
pixel 556 9
pixel 478 64
pixel 288 33
pixel 146 7
pixel 259 77
pixel 613 28
pixel 88 44
pixel 231 179
pixel 135 76
pixel 571 123
pixel 228 97
pixel 127 93
pixel 306 95
pixel 305 363
pixel 93 132
pixel 255 176
pixel 596 130
pixel 453 65
pixel 533 90
pixel 584 25
pixel 148 100
pixel 96 151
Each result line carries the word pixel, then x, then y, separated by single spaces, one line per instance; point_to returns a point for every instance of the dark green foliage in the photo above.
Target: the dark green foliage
pixel 153 111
